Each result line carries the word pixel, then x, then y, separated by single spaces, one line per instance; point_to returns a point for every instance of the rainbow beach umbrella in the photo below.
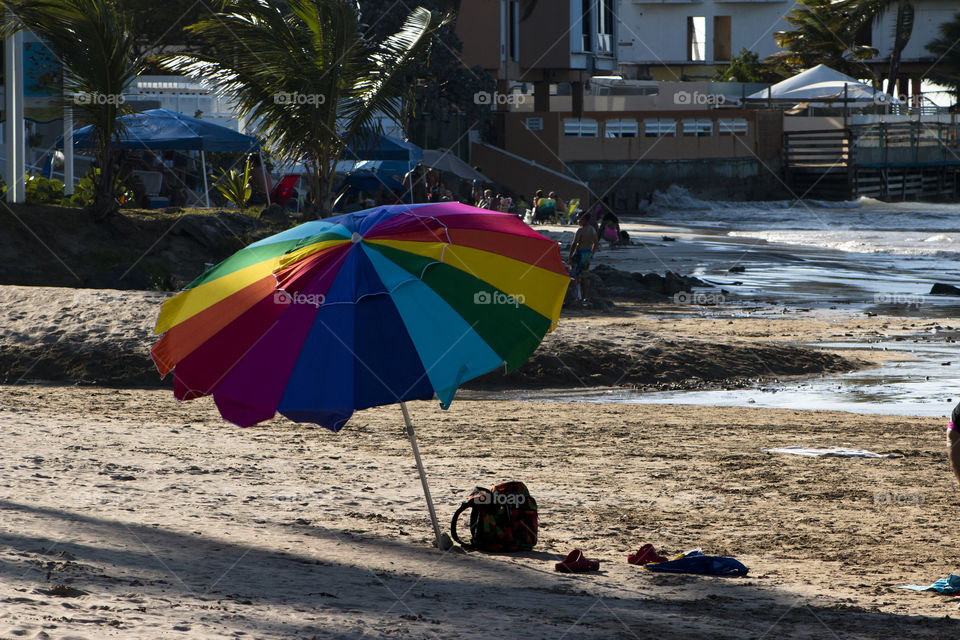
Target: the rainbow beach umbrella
pixel 365 309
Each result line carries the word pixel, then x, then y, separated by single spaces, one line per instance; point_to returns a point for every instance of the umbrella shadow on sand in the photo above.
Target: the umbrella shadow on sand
pixel 355 584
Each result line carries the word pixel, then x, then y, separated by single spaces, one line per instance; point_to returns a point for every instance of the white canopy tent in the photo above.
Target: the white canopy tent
pixel 822 84
pixel 445 160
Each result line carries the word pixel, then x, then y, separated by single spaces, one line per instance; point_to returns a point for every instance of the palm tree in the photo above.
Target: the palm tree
pixel 306 74
pixel 823 33
pixel 946 71
pixel 93 41
pixel 867 12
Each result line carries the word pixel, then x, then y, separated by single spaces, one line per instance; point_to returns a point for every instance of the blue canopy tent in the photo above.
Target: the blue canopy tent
pixel 386 154
pixel 384 147
pixel 162 129
pixel 370 181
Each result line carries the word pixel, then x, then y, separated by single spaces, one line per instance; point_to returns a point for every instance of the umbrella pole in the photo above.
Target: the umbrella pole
pixel 206 189
pixel 423 474
pixel 266 185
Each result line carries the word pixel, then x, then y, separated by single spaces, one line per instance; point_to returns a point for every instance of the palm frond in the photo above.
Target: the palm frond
pixel 304 73
pixel 94 43
pixel 378 90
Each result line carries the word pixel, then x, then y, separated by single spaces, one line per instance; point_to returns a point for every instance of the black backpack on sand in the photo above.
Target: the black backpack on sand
pixel 504 519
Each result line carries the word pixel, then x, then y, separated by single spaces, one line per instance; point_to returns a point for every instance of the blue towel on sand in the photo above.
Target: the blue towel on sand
pixel 947 586
pixel 696 562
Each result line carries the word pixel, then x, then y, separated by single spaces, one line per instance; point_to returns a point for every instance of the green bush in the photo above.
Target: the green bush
pixel 83 193
pixel 40 190
pixel 235 186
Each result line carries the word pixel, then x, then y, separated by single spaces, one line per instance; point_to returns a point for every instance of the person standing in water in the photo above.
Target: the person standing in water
pixel 953 441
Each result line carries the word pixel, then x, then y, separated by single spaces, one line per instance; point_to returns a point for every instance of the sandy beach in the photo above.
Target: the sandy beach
pixel 128 515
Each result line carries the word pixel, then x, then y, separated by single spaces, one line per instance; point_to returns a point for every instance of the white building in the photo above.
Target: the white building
pixel 915 61
pixel 183 95
pixel 686 39
pixel 193 98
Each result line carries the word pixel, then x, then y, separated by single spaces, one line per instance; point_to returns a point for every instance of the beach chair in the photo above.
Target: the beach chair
pixel 573 210
pixel 284 189
pixel 152 180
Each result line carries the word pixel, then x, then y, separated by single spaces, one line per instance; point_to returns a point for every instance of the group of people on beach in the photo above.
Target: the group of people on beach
pixel 547 207
pixel 498 202
pixel 425 185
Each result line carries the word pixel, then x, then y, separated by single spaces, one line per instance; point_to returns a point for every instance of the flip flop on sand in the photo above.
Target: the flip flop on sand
pixel 576 563
pixel 645 555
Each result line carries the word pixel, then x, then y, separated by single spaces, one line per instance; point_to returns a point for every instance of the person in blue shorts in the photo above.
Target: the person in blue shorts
pixel 585 244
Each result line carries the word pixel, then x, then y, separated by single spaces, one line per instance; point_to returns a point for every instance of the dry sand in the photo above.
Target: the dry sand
pixel 127 515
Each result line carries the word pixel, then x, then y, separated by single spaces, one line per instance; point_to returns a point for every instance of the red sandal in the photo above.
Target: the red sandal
pixel 645 555
pixel 576 563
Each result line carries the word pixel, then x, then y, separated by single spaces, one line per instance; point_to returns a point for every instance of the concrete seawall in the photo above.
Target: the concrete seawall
pixel 626 185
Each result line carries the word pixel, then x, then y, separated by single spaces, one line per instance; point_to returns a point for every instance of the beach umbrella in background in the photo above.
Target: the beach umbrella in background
pixel 397 303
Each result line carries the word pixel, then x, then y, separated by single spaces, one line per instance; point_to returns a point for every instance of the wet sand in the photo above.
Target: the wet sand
pixel 126 514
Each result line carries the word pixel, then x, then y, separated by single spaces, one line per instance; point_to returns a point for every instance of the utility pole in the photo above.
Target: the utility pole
pixel 15 141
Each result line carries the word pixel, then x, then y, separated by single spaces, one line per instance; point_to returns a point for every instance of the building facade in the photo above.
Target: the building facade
pixel 689 39
pixel 915 61
pixel 559 41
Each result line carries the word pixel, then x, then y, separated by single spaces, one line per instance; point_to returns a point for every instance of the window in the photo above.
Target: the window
pixel 864 36
pixel 605 22
pixel 620 128
pixel 656 127
pixel 582 128
pixel 697 127
pixel 696 38
pixel 504 30
pixel 721 38
pixel 586 25
pixel 732 126
pixel 534 124
pixel 514 30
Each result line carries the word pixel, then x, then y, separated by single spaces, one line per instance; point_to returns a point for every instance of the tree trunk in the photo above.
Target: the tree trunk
pixel 319 184
pixel 104 195
pixel 897 49
pixel 323 204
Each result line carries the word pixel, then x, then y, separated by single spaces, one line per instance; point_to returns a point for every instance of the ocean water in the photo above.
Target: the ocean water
pixel 863 251
pixel 923 384
pixel 858 256
pixel 860 226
